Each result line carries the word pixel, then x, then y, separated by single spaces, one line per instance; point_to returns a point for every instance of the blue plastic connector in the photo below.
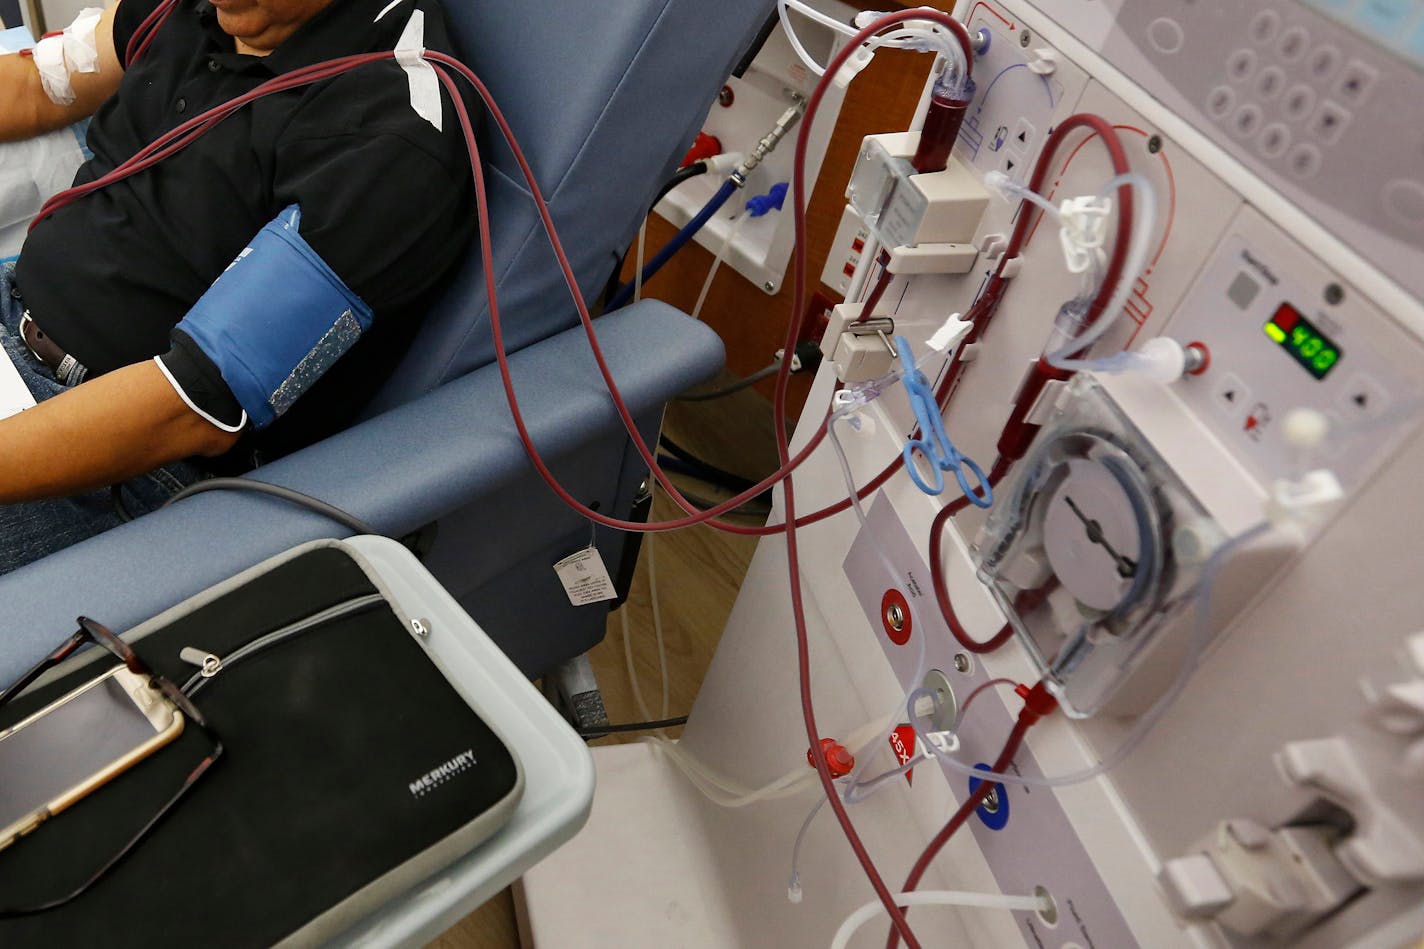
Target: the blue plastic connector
pixel 764 204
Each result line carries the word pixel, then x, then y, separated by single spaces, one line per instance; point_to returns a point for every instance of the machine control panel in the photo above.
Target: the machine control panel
pixel 1308 94
pixel 1284 333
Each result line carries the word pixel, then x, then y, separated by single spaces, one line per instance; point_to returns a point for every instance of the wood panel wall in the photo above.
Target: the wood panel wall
pixel 751 322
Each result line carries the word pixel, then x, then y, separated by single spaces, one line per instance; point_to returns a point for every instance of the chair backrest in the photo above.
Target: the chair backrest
pixel 605 97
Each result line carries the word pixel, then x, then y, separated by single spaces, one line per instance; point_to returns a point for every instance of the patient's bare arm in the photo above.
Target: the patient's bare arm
pixel 25 109
pixel 107 430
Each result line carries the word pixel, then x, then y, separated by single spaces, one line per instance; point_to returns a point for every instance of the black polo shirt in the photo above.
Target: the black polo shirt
pixel 385 198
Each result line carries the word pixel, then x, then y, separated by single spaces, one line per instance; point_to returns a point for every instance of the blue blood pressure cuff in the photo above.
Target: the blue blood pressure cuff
pixel 271 325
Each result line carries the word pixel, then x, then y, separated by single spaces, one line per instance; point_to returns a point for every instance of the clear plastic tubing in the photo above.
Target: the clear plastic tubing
pixel 1144 227
pixel 865 753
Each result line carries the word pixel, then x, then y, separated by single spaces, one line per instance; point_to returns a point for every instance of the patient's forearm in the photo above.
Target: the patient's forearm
pixel 20 94
pixel 105 431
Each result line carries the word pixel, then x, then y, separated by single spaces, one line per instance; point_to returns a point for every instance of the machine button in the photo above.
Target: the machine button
pixel 1294 42
pixel 1304 161
pixel 1362 398
pixel 1275 139
pixel 1257 421
pixel 1022 138
pixel 1270 83
pixel 1324 60
pixel 1356 83
pixel 1248 120
pixel 1232 396
pixel 1404 201
pixel 1166 35
pixel 1329 123
pixel 1242 65
pixel 1265 26
pixel 1220 103
pixel 1300 101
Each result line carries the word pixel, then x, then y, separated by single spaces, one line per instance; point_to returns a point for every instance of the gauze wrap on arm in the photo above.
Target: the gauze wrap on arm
pixel 275 321
pixel 76 50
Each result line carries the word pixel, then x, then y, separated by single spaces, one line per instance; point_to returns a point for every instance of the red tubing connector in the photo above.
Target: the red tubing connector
pixel 839 761
pixel 1038 702
pixel 705 147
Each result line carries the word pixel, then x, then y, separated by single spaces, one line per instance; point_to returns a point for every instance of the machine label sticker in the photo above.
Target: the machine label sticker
pixel 434 778
pixel 585 578
pixel 902 742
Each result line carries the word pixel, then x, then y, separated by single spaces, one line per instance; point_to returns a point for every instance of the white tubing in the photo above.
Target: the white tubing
pixel 869 911
pixel 632 672
pixel 657 626
pixel 783 11
pixel 1143 229
pixel 728 792
pixel 717 263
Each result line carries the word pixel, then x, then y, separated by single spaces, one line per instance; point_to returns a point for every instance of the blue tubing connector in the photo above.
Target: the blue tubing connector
pixel 724 193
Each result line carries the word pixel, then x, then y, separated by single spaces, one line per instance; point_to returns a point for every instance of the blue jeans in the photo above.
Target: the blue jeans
pixel 36 529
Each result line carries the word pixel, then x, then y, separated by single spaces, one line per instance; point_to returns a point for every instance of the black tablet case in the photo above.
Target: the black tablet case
pixel 312 817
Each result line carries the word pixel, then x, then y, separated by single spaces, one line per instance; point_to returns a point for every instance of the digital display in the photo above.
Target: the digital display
pixel 1306 344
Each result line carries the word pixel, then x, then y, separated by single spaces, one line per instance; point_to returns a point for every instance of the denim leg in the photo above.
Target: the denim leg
pixel 33 530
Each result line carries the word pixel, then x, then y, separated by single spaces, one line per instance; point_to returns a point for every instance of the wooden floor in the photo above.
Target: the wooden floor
pixel 698 574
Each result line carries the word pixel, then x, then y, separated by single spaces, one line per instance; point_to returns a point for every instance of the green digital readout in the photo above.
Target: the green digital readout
pixel 1299 337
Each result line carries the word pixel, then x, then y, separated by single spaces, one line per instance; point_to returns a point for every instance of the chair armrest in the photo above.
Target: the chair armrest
pixel 398 471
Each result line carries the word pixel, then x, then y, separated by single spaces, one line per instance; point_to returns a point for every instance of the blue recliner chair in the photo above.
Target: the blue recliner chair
pixel 605 98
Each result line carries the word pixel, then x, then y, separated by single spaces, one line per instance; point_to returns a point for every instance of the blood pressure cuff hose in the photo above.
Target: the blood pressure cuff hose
pixel 271 325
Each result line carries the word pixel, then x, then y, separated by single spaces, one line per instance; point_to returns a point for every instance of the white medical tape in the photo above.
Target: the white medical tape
pixel 54 74
pixel 81 44
pixel 424 84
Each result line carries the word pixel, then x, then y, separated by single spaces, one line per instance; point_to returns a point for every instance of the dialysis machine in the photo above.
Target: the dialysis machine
pixel 1218 571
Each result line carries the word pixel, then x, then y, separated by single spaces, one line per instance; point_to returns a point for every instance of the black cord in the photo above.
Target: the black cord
pixel 741 384
pixel 764 34
pixel 603 731
pixel 615 279
pixel 350 521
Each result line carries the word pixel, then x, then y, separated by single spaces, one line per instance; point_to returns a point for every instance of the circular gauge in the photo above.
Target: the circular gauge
pixel 1092 535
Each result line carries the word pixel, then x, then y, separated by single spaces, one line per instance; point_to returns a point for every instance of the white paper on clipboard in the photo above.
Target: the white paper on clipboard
pixel 14 395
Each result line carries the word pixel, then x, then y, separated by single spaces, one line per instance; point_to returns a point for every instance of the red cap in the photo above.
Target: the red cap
pixel 706 146
pixel 839 761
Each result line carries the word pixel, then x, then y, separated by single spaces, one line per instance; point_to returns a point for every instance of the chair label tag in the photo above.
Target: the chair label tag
pixel 585 577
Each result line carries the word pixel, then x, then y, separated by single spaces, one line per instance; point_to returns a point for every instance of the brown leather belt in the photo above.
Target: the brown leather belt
pixel 66 368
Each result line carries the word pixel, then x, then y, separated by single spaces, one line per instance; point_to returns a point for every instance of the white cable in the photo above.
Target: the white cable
pixel 657 627
pixel 783 11
pixel 633 672
pixel 717 263
pixel 1026 904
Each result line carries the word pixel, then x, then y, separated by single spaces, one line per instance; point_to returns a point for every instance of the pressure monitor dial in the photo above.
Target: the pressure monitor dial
pixel 1092 535
pixel 1079 552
